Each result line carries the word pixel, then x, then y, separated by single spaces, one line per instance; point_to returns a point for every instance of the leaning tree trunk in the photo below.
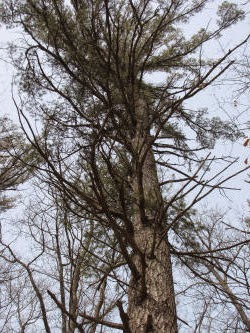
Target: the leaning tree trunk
pixel 151 301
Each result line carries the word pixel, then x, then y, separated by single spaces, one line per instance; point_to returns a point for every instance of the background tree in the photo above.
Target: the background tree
pixel 12 170
pixel 66 257
pixel 110 144
pixel 217 263
pixel 210 256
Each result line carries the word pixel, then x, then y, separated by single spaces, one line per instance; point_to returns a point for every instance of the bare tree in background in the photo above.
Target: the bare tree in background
pixel 77 263
pixel 218 267
pixel 126 158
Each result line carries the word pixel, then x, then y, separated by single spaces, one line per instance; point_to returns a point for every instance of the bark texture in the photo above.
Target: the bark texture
pixel 151 295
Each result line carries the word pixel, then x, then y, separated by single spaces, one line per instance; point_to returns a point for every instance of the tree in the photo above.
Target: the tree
pixel 214 270
pixel 12 170
pixel 218 267
pixel 109 142
pixel 63 258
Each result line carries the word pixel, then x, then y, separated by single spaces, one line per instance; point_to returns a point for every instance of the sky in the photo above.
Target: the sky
pixel 220 99
pixel 223 99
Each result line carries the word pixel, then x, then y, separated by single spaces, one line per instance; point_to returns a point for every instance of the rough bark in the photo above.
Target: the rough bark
pixel 151 296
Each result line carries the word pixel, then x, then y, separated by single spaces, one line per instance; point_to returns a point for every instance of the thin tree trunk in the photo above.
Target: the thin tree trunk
pixel 225 287
pixel 73 300
pixel 151 301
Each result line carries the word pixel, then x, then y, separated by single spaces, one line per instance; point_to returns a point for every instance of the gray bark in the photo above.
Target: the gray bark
pixel 151 296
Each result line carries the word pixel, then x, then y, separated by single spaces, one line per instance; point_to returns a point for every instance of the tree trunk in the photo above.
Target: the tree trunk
pixel 151 301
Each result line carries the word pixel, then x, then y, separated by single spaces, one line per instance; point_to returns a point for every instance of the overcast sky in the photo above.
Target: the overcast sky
pixel 219 99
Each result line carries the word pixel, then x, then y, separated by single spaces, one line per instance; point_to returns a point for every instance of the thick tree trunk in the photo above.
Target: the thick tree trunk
pixel 151 301
pixel 151 298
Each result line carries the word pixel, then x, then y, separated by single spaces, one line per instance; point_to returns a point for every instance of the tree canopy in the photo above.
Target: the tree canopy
pixel 118 165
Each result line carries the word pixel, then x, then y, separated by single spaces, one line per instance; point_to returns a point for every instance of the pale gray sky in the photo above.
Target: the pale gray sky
pixel 219 98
